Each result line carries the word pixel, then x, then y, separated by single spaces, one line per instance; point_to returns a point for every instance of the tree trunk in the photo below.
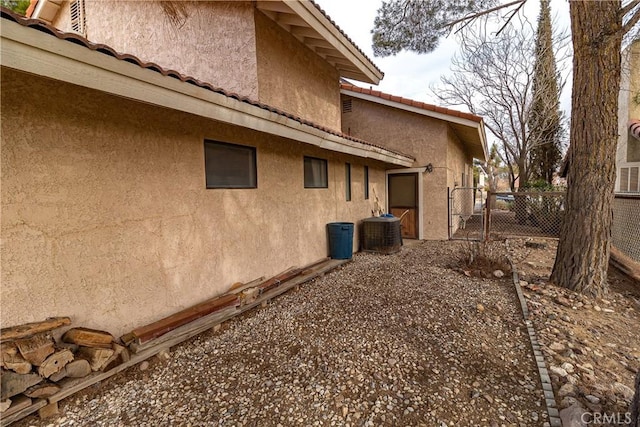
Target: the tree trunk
pixel 583 249
pixel 635 405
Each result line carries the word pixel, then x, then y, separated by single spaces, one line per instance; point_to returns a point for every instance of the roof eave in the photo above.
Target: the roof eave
pixel 315 25
pixel 39 53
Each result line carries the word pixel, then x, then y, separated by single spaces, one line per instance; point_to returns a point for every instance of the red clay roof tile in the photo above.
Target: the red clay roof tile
pixel 39 25
pixel 411 102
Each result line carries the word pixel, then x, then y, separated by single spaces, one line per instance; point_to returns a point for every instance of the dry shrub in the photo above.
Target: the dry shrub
pixel 481 259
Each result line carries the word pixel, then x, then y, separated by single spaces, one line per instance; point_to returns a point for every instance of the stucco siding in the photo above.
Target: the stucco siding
pixel 459 163
pixel 293 77
pixel 422 137
pixel 425 138
pixel 106 218
pixel 214 42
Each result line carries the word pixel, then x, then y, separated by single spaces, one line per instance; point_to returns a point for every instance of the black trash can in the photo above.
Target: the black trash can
pixel 341 240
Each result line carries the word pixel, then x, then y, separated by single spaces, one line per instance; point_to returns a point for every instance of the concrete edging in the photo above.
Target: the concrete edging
pixel 545 379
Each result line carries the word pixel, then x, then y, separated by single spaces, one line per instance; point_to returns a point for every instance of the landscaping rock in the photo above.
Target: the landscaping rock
pixel 573 416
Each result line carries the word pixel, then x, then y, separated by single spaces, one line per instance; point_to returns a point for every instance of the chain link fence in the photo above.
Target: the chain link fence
pixel 625 230
pixel 530 214
pixel 466 219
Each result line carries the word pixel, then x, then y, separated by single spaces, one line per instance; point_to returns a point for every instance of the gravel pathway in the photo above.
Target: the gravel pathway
pixel 395 340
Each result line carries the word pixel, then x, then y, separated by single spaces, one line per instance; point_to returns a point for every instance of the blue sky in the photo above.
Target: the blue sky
pixel 408 74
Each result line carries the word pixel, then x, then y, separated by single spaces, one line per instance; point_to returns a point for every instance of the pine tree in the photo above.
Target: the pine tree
pixel 18 6
pixel 545 121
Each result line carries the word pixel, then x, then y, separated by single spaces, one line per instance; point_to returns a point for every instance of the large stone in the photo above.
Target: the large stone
pixel 626 392
pixel 556 346
pixel 13 383
pixel 558 371
pixel 567 390
pixel 573 416
pixel 78 368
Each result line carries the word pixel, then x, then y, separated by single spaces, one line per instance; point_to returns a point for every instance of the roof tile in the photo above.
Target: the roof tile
pixel 411 102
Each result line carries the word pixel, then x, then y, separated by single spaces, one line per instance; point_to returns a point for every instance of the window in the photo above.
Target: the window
pixel 347 181
pixel 624 179
pixel 633 179
pixel 366 182
pixel 315 173
pixel 229 165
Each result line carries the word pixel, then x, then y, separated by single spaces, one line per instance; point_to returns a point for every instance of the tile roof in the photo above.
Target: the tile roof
pixel 411 102
pixel 74 38
pixel 344 34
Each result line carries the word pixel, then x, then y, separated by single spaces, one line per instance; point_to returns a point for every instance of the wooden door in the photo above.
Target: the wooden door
pixel 403 202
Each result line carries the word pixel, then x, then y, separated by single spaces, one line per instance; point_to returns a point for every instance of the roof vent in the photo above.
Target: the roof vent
pixel 76 10
pixel 346 105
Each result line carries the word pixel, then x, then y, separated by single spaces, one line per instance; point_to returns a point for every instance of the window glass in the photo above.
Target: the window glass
pixel 315 173
pixel 366 182
pixel 230 165
pixel 347 180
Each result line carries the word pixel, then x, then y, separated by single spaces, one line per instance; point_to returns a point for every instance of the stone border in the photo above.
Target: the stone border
pixel 545 379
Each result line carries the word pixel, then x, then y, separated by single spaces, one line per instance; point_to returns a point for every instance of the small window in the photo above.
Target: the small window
pixel 315 173
pixel 634 185
pixel 366 182
pixel 230 165
pixel 624 179
pixel 347 181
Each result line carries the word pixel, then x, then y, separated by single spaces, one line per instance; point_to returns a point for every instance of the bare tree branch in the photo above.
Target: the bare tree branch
pixel 513 13
pixel 628 8
pixel 484 12
pixel 635 18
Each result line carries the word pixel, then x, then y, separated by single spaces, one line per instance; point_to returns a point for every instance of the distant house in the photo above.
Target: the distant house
pixel 181 151
pixel 628 152
pixel 625 231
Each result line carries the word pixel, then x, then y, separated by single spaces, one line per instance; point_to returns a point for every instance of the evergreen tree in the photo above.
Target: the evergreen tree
pixel 545 121
pixel 18 6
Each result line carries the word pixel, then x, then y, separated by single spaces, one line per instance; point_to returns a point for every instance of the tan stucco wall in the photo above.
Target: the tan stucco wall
pixel 105 215
pixel 294 78
pixel 216 43
pixel 428 140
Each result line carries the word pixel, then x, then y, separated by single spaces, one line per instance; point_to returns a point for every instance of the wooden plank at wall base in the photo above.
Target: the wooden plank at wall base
pixel 162 326
pixel 189 330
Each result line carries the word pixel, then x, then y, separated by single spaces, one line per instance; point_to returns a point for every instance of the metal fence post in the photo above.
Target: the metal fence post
pixel 487 218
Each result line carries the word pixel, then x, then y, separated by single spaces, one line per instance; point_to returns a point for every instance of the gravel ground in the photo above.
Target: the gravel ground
pixel 385 340
pixel 592 346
